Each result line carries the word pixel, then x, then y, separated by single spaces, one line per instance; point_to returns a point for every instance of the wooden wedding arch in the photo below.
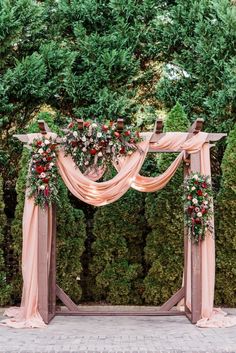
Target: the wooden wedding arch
pixel 48 290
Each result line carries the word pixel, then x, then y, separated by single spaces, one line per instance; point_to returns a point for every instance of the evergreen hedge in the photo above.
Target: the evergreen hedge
pixel 5 288
pixel 164 213
pixel 226 228
pixel 116 265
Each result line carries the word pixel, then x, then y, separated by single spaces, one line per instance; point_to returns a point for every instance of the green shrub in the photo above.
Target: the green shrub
pixel 5 288
pixel 116 266
pixel 226 228
pixel 164 212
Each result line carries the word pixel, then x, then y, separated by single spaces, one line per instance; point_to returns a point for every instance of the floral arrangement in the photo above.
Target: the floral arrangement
pixel 43 174
pixel 197 205
pixel 98 144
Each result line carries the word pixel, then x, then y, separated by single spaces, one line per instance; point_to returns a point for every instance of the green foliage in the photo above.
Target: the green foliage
pixel 164 212
pixel 5 288
pixel 225 228
pixel 197 38
pixel 70 230
pixel 116 267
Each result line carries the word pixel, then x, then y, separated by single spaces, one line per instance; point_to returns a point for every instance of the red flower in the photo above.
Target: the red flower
pixel 196 182
pixel 93 151
pixel 189 197
pixel 204 185
pixel 127 133
pixel 190 209
pixel 122 150
pixel 46 191
pixel 39 169
pixel 46 180
pixel 199 192
pixel 116 134
pixel 198 221
pixel 204 210
pixel 39 143
pixel 131 140
pixel 104 128
pixel 49 159
pixel 71 125
pixel 86 123
pixel 74 143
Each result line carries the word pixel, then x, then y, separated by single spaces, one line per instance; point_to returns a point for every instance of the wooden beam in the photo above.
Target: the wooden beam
pixel 80 124
pixel 52 271
pixel 120 124
pixel 196 126
pixel 43 263
pixel 121 313
pixel 212 137
pixel 66 300
pixel 173 300
pixel 44 128
pixel 196 258
pixel 158 129
pixel 22 138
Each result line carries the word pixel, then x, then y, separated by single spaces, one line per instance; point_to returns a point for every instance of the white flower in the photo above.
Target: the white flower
pixel 197 209
pixel 42 175
pixel 195 177
pixel 48 150
pixel 42 187
pixel 83 139
pixel 47 142
pixel 99 134
pixel 193 188
pixel 199 214
pixel 40 151
pixel 91 140
pixel 86 163
pixel 187 187
pixel 110 143
pixel 64 139
pixel 205 202
pixel 94 125
pixel 75 134
pixel 84 149
pixel 100 154
pixel 51 164
pixel 45 159
pixel 43 144
pixel 194 201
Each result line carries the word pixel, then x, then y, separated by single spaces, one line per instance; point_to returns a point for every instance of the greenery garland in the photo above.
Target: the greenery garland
pixel 197 199
pixel 98 144
pixel 43 173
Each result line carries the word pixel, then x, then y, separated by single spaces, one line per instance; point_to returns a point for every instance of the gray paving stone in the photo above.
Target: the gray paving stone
pixel 118 335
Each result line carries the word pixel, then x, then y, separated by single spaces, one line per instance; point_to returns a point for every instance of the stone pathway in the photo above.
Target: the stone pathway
pixel 118 335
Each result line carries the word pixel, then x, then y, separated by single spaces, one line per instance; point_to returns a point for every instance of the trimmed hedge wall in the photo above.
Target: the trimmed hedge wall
pixel 164 212
pixel 226 228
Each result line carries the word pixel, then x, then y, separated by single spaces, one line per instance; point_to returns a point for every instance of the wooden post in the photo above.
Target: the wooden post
pixel 196 278
pixel 43 264
pixel 52 271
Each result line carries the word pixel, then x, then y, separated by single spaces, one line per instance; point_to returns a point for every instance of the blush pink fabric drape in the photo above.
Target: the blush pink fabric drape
pixel 88 190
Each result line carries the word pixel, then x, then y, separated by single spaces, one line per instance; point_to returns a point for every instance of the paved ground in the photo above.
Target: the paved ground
pixel 118 335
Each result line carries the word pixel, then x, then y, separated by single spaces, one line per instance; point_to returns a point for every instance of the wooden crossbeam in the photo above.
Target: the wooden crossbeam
pixel 158 129
pixel 196 126
pixel 44 128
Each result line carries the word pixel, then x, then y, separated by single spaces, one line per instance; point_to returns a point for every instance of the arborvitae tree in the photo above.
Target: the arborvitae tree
pixel 226 228
pixel 196 42
pixel 116 268
pixel 164 212
pixel 5 288
pixel 71 230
